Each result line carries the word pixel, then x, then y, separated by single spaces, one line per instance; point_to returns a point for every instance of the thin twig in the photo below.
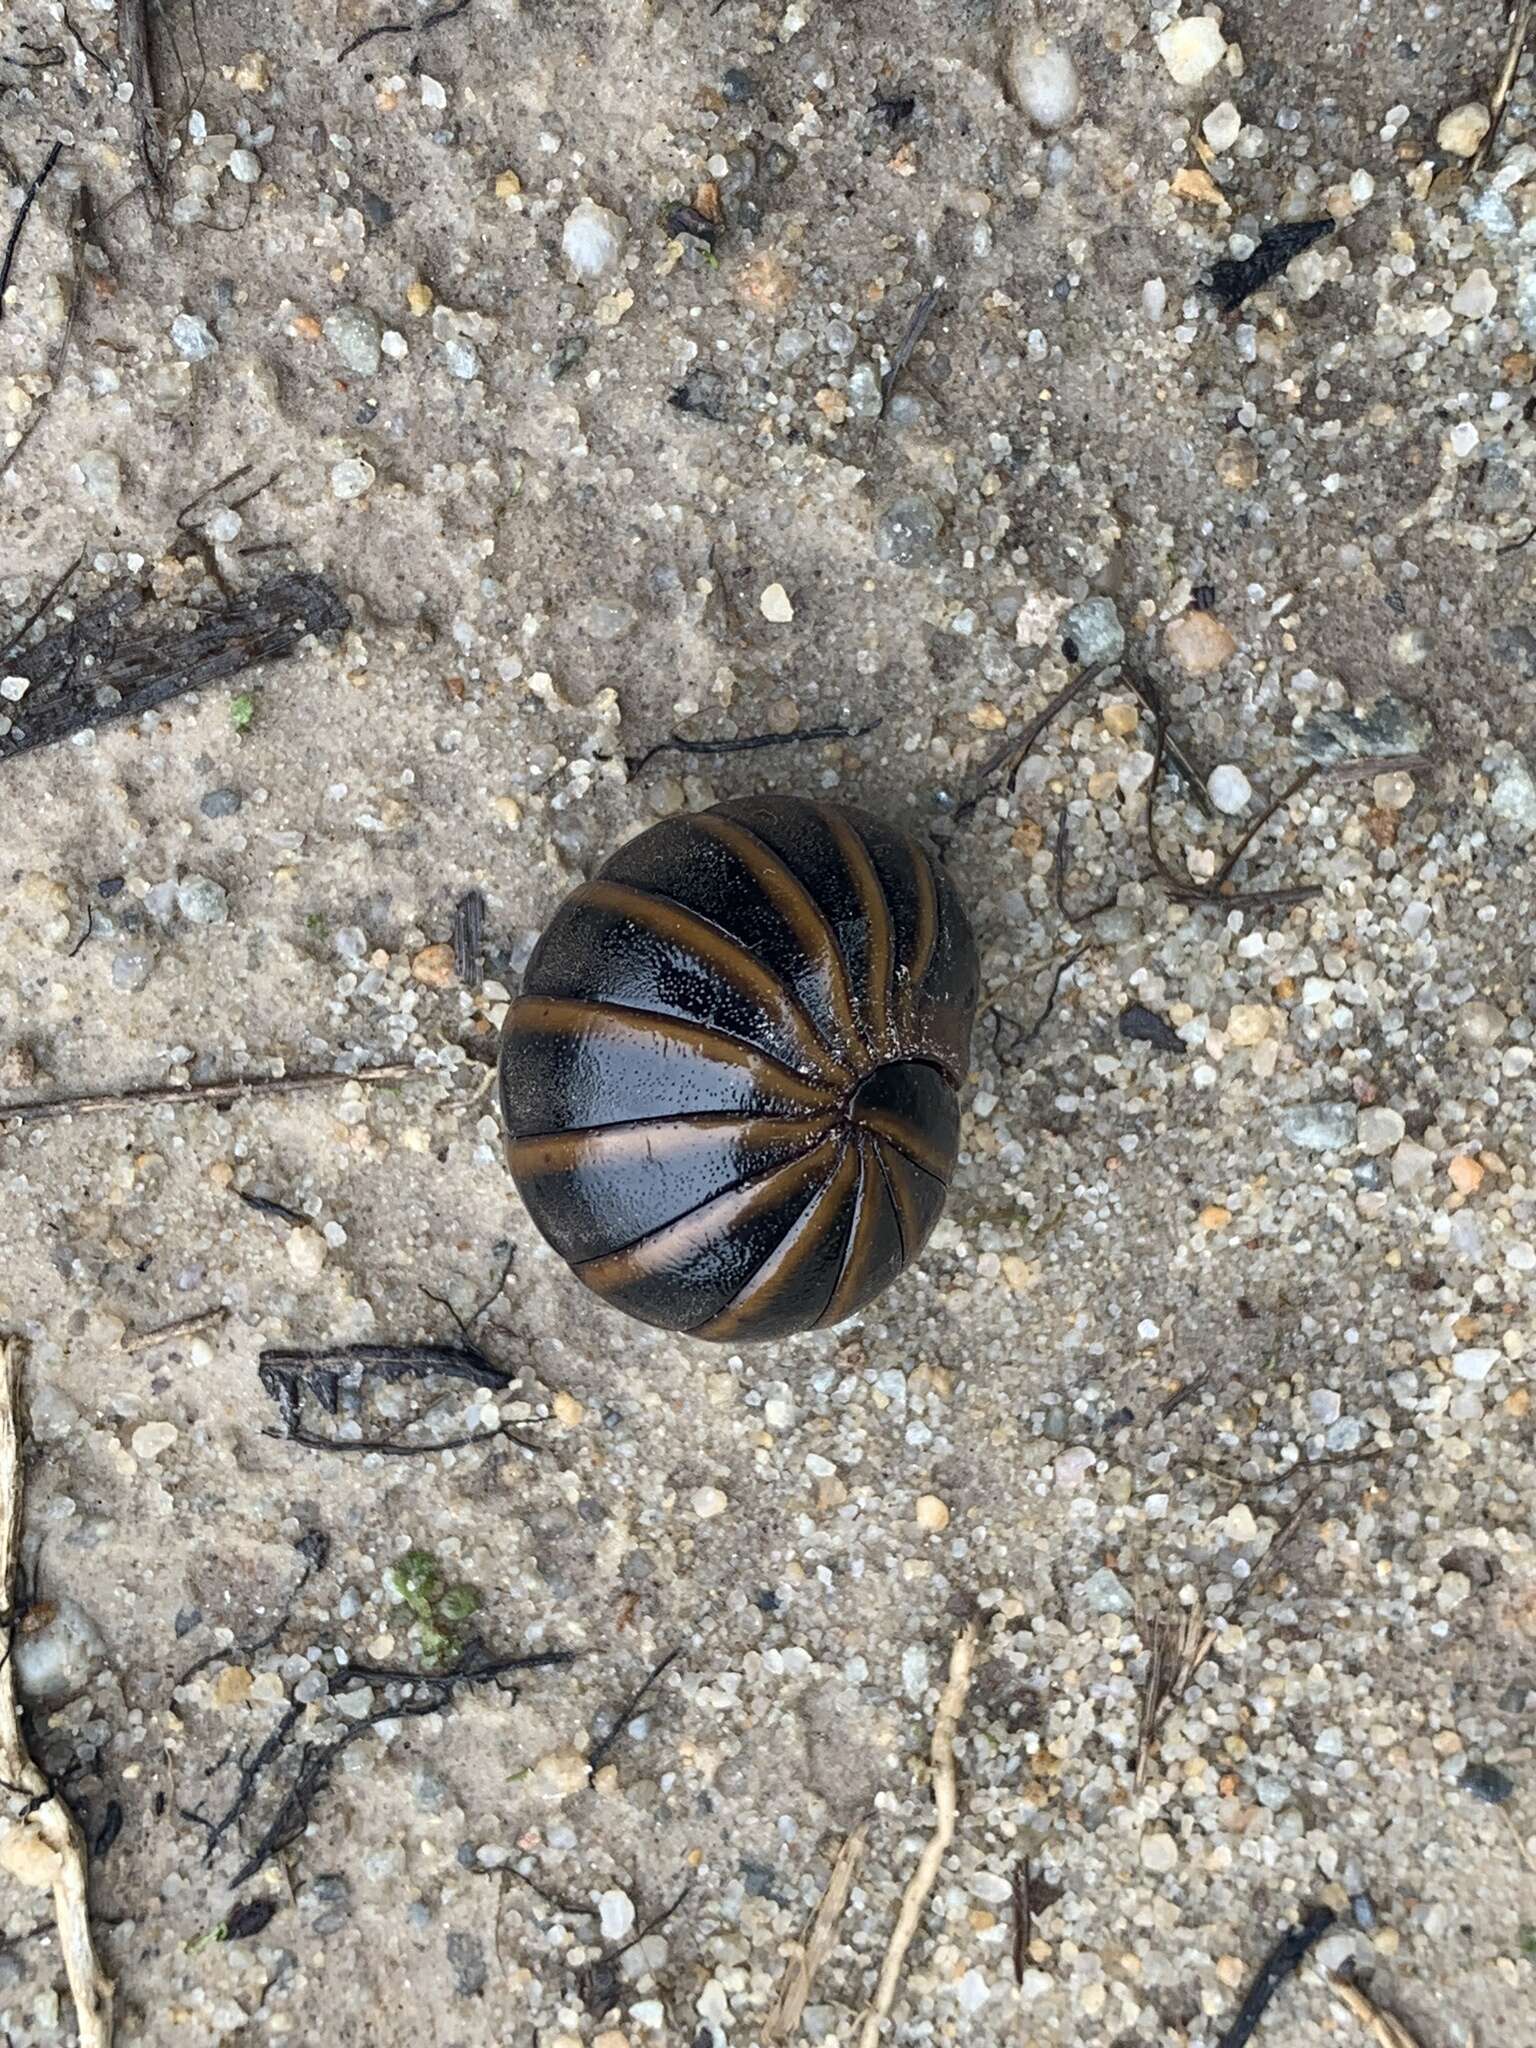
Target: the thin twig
pixel 1023 1916
pixel 169 1333
pixel 1519 31
pixel 313 1551
pixel 41 606
pixel 1384 2029
pixel 901 355
pixel 1013 753
pixel 56 367
pixel 599 1752
pixel 215 1092
pixel 469 939
pixel 133 39
pixel 751 745
pixel 28 201
pixel 807 1956
pixel 45 1849
pixel 945 1800
pixel 1283 1960
pixel 402 28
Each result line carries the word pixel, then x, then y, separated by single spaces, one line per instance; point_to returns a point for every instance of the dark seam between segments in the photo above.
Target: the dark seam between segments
pixel 730 939
pixel 890 1196
pixel 756 1274
pixel 835 951
pixel 747 1180
pixel 823 811
pixel 609 1006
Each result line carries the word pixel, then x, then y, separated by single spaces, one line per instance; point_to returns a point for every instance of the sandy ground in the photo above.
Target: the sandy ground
pixel 1261 1279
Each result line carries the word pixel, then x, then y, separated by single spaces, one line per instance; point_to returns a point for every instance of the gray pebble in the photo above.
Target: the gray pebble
pixel 190 338
pixel 907 531
pixel 1389 726
pixel 374 208
pixel 1094 628
pixel 1319 1126
pixel 354 334
pixel 1514 796
pixel 431 1790
pixel 202 901
pixel 132 967
pixel 1516 647
pixel 57 1662
pixel 467 1958
pixel 221 803
pixel 1488 1783
pixel 1106 1594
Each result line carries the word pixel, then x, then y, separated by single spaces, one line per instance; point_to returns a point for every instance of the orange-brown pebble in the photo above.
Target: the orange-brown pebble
pixel 433 967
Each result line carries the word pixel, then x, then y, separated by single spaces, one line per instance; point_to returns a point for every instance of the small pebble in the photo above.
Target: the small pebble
pixel 1044 80
pixel 1514 796
pixel 593 241
pixel 1320 1126
pixel 707 1502
pixel 907 531
pixel 616 1914
pixel 559 1773
pixel 151 1438
pixel 1461 130
pixel 1412 1165
pixel 306 1251
pixel 351 478
pixel 190 338
pixel 1105 1593
pixel 434 967
pixel 1199 643
pixel 1488 1783
pixel 56 1662
pixel 1094 628
pixel 1378 1131
pixel 244 166
pixel 353 333
pixel 1481 1023
pixel 220 803
pixel 775 606
pixel 931 1512
pixel 1222 126
pixel 1159 1852
pixel 1191 48
pixel 1229 790
pixel 1476 296
pixel 202 901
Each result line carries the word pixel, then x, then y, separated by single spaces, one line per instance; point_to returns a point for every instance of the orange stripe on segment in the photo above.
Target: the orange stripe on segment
pixel 907 1138
pixel 725 956
pixel 539 1015
pixel 661 1140
pixel 688 1235
pixel 779 1270
pixel 877 915
pixel 924 938
pixel 800 911
pixel 861 1236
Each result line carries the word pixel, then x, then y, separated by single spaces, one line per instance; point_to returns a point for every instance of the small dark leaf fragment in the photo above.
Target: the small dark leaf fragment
pixel 1145 1027
pixel 703 393
pixel 687 220
pixel 111 1827
pixel 248 1918
pixel 1232 280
